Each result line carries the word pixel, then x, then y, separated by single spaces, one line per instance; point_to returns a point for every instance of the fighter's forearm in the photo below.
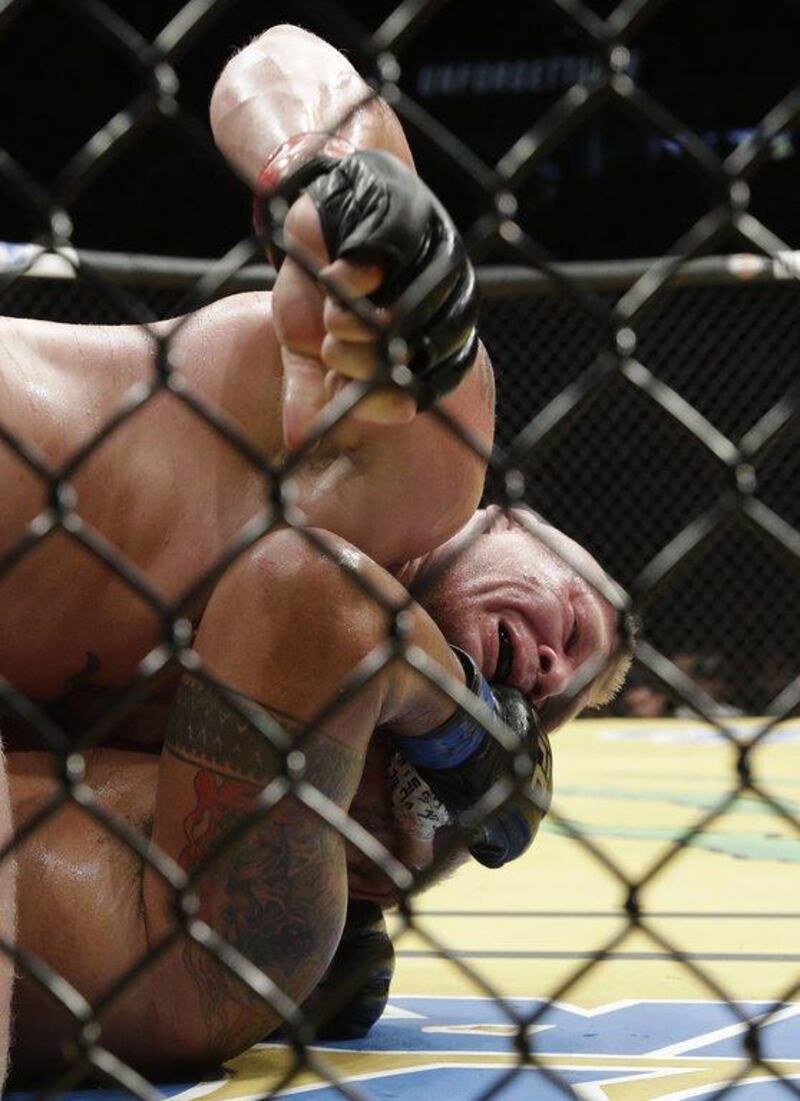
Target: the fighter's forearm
pixel 289 82
pixel 288 627
pixel 274 894
pixel 399 485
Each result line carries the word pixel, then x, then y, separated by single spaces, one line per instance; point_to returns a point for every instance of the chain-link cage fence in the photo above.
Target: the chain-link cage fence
pixel 648 410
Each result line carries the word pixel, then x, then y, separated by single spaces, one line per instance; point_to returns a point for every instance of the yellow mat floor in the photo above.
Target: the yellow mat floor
pixel 639 1024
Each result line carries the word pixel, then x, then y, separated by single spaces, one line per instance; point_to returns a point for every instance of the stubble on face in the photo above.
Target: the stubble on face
pixel 515 560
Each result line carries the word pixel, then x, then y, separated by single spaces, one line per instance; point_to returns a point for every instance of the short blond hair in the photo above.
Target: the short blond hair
pixel 612 677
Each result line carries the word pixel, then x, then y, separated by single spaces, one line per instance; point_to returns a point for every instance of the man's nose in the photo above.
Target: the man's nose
pixel 554 673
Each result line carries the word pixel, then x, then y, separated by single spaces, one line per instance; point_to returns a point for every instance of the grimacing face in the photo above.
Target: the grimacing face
pixel 528 616
pixel 520 609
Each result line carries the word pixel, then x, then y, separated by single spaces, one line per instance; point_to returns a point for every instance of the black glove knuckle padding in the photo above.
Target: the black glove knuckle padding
pixel 509 831
pixel 372 208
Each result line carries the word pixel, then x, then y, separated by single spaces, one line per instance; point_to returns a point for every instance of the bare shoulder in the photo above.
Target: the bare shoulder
pixel 229 353
pixel 238 324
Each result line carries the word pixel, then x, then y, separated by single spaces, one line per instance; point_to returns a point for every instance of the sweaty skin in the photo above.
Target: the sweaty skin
pixel 87 872
pixel 168 492
pixel 283 626
pixel 169 495
pixel 287 626
pixel 278 894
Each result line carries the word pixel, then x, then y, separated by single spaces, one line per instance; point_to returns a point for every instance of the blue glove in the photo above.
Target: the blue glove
pixel 461 762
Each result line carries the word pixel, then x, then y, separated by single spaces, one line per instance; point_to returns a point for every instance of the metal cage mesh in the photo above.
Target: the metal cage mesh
pixel 701 379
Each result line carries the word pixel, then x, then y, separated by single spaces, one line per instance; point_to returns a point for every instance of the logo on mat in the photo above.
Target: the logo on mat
pixel 463 1048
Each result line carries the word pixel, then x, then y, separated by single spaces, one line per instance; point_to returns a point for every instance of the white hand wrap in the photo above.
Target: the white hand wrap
pixel 416 809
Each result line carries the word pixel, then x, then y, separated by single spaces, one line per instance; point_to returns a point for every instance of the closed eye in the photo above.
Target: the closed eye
pixel 574 637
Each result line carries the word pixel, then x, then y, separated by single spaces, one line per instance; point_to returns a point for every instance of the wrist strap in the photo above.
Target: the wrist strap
pixel 450 744
pixel 287 158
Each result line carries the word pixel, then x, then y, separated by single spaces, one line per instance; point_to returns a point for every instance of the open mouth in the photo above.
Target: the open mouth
pixel 505 656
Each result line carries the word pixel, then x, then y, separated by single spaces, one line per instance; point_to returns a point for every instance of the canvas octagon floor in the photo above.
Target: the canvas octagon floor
pixel 638 1026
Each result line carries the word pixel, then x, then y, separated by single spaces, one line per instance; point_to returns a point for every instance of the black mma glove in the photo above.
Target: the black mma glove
pixel 372 208
pixel 354 992
pixel 507 833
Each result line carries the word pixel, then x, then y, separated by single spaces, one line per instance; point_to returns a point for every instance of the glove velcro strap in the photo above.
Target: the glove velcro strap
pixel 451 743
pixel 373 209
pixel 290 169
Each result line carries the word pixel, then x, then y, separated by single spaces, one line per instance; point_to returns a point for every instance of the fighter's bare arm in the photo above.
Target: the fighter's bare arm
pixel 278 897
pixel 395 491
pixel 286 84
pixel 286 627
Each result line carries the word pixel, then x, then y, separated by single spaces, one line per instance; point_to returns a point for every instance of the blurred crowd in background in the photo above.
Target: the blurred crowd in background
pixel 734 687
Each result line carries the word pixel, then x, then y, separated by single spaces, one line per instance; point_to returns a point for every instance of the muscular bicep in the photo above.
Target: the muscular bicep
pixel 404 489
pixel 394 491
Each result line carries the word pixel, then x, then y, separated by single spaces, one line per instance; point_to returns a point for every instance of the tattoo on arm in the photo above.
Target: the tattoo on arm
pixel 277 893
pixel 203 727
